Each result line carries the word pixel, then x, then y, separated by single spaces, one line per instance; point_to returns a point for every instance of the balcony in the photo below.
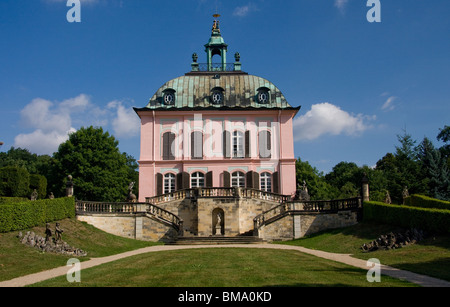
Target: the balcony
pixel 216 67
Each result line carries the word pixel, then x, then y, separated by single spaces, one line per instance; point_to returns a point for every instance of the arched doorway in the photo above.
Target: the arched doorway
pixel 218 222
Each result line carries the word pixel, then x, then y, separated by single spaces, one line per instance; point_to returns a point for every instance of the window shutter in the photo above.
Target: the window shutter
pixel 183 181
pixel 165 146
pixel 247 144
pixel 186 181
pixel 264 144
pixel 197 145
pixel 226 144
pixel 250 180
pixel 159 184
pixel 226 179
pixel 179 181
pixel 209 179
pixel 168 146
pixel 256 181
pixel 171 146
pixel 275 183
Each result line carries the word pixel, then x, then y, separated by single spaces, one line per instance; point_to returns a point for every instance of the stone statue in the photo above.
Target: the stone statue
pixel 48 232
pixel 194 57
pixel 387 199
pixel 58 233
pixel 131 197
pixel 405 193
pixel 219 220
pixel 51 196
pixel 34 195
pixel 237 56
pixel 69 186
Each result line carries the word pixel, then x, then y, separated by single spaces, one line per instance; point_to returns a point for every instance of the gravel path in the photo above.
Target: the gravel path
pixel 422 280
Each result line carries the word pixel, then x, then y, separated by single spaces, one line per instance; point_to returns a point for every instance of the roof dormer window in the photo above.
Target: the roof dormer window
pixel 217 96
pixel 263 96
pixel 169 97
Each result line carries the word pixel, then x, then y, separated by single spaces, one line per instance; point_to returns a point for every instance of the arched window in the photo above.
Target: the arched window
pixel 169 183
pixel 197 180
pixel 266 182
pixel 238 180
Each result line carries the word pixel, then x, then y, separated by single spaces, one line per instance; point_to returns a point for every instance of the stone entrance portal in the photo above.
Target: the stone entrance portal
pixel 218 222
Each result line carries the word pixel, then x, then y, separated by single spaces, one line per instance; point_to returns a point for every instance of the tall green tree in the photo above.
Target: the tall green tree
pixel 318 188
pixel 439 175
pixel 98 168
pixel 444 136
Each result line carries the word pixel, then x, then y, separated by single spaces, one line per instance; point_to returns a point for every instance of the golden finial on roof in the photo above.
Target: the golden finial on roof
pixel 216 28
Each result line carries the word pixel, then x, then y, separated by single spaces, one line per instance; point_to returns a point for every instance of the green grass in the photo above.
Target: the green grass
pixel 429 257
pixel 17 259
pixel 223 267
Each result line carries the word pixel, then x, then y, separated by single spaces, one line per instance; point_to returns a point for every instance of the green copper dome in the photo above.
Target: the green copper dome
pixel 238 91
pixel 217 85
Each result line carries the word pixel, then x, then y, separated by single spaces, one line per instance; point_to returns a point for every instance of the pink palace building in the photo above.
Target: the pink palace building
pixel 217 126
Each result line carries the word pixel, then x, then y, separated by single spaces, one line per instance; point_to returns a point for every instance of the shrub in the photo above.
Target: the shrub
pixel 14 181
pixel 10 200
pixel 23 215
pixel 434 220
pixel 39 183
pixel 426 202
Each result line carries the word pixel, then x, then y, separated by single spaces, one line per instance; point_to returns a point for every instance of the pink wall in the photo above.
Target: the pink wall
pixel 212 124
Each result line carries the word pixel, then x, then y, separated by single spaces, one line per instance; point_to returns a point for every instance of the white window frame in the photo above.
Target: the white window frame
pixel 238 180
pixel 169 183
pixel 266 182
pixel 238 142
pixel 197 180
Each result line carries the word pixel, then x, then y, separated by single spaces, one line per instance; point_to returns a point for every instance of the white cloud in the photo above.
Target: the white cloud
pixel 242 11
pixel 389 104
pixel 126 123
pixel 328 119
pixel 51 122
pixel 38 114
pixel 41 142
pixel 340 4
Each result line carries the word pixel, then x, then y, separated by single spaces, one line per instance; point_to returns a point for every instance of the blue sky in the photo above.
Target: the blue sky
pixel 359 83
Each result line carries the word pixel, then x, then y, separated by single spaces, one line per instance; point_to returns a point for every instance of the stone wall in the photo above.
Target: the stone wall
pixel 123 226
pixel 198 216
pixel 140 227
pixel 200 219
pixel 297 225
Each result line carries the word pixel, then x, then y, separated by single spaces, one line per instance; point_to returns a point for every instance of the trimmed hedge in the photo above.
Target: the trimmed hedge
pixel 23 215
pixel 10 200
pixel 422 201
pixel 434 220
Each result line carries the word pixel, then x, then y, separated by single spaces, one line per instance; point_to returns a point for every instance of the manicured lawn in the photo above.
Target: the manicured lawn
pixel 17 259
pixel 429 257
pixel 223 267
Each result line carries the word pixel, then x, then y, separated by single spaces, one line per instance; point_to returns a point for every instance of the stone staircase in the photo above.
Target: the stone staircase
pixel 217 240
